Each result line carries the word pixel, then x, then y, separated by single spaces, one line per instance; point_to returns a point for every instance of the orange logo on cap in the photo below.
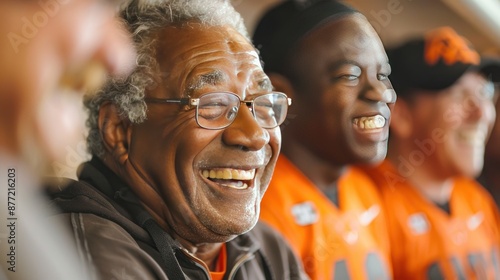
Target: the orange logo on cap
pixel 446 44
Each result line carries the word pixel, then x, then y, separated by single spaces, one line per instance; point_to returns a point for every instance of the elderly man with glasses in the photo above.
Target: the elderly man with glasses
pixel 179 164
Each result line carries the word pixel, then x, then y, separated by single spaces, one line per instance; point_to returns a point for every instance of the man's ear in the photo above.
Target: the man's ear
pixel 282 84
pixel 115 132
pixel 401 119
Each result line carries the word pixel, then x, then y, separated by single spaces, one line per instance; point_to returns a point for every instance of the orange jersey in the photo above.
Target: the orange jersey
pixel 346 243
pixel 429 243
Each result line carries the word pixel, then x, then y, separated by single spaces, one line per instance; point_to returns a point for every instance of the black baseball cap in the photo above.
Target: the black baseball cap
pixel 281 27
pixel 436 61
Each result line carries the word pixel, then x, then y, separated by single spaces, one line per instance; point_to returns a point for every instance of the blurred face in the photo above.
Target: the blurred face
pixel 51 51
pixel 343 96
pixel 206 184
pixel 455 124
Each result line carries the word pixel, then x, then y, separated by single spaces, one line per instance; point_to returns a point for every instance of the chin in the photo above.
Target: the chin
pixel 470 164
pixel 236 226
pixel 243 226
pixel 225 234
pixel 372 158
pixel 377 158
pixel 472 172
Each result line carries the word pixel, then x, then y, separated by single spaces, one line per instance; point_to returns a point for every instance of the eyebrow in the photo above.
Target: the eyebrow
pixel 211 78
pixel 337 64
pixel 265 84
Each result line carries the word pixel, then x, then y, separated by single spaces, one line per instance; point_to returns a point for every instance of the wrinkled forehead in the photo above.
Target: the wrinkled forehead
pixel 194 50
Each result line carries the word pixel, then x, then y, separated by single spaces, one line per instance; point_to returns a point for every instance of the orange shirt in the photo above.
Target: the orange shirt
pixel 429 243
pixel 220 269
pixel 346 243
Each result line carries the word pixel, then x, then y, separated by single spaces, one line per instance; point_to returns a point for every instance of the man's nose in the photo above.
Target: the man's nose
pixel 380 91
pixel 245 131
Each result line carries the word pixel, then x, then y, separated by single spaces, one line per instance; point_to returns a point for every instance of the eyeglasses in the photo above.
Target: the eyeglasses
pixel 487 92
pixel 490 91
pixel 218 110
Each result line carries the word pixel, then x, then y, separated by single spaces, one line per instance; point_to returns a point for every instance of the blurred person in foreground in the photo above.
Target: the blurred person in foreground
pixel 328 57
pixel 50 52
pixel 443 225
pixel 183 151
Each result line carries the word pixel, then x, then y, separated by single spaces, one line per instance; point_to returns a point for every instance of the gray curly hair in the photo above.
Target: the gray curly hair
pixel 144 19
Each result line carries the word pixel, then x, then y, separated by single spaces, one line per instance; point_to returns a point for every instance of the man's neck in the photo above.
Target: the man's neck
pixel 321 172
pixel 428 180
pixel 208 253
pixel 437 191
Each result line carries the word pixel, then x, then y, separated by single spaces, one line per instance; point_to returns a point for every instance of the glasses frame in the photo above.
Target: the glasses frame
pixel 194 102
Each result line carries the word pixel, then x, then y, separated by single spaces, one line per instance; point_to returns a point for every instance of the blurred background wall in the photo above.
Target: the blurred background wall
pixel 396 20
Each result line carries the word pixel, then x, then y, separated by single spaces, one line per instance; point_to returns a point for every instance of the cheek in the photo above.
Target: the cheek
pixel 153 150
pixel 430 115
pixel 272 152
pixel 491 115
pixel 194 147
pixel 275 140
pixel 195 141
pixel 336 109
pixel 273 148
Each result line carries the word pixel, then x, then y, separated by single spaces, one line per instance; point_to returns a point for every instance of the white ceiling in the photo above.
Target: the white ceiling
pixel 396 20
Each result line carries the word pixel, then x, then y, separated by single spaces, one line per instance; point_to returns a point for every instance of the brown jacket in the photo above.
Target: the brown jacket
pixel 102 213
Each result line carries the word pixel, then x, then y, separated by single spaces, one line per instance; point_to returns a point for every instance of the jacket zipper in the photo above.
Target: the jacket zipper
pixel 197 262
pixel 243 259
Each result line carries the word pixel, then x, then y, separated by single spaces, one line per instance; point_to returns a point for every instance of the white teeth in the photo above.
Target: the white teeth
pixel 235 175
pixel 370 122
pixel 473 137
pixel 229 174
pixel 237 185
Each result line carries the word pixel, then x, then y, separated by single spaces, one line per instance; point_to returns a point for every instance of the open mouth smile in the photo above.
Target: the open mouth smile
pixel 474 138
pixel 230 177
pixel 373 122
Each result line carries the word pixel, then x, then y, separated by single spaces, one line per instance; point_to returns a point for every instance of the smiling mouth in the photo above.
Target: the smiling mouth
pixel 474 138
pixel 229 177
pixel 373 122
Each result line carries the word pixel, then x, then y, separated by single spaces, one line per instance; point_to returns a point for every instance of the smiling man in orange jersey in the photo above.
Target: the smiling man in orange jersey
pixel 329 58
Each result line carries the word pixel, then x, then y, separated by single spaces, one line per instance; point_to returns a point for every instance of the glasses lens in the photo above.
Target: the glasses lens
pixel 270 109
pixel 488 91
pixel 217 110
